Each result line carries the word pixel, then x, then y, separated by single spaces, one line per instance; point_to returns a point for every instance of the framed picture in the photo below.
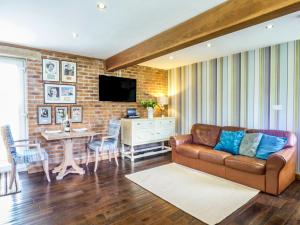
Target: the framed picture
pixel 44 115
pixel 76 114
pixel 68 71
pixel 61 112
pixel 59 94
pixel 50 70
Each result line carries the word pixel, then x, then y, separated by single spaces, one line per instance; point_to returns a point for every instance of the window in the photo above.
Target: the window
pixel 13 99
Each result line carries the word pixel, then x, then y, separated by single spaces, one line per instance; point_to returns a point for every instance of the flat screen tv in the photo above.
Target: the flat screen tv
pixel 117 89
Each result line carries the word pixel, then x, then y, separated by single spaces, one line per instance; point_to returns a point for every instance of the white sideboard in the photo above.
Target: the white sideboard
pixel 136 132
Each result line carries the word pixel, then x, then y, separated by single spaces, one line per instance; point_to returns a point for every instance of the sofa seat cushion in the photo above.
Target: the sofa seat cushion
pixel 190 150
pixel 246 164
pixel 216 157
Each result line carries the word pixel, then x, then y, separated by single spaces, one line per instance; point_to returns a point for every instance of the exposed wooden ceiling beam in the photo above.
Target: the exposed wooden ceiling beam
pixel 230 16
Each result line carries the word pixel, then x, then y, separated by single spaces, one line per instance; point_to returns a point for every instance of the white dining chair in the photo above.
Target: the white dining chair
pixel 28 153
pixel 106 143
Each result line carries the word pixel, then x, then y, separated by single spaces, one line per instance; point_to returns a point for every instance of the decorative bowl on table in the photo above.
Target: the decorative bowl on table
pixel 53 131
pixel 80 129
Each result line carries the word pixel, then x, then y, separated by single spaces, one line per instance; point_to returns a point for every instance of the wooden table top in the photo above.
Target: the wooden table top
pixel 67 135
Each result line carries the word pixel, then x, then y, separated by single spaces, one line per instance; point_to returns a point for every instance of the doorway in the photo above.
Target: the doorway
pixel 13 99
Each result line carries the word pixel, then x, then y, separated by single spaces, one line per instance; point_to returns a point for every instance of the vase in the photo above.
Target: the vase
pixel 150 112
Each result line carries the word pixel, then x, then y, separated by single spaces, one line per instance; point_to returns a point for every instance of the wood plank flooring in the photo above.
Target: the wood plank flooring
pixel 107 197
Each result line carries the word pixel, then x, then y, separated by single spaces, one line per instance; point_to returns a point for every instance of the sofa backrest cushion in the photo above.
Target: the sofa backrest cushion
pixel 291 137
pixel 205 134
pixel 232 128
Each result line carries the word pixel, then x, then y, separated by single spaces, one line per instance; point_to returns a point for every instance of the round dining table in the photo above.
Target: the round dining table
pixel 68 165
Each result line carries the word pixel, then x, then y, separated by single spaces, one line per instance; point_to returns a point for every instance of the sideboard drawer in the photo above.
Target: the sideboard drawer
pixel 165 124
pixel 144 135
pixel 143 125
pixel 163 134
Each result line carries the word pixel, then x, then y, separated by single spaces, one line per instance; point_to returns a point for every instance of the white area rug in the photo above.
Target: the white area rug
pixel 206 197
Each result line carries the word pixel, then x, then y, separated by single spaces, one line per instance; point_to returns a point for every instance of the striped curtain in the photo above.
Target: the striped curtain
pixel 241 90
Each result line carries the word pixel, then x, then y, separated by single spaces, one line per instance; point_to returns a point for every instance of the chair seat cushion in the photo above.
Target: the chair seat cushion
pixel 30 155
pixel 246 164
pixel 108 145
pixel 213 156
pixel 190 150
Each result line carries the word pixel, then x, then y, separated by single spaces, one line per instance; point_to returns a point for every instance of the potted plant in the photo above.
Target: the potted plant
pixel 149 105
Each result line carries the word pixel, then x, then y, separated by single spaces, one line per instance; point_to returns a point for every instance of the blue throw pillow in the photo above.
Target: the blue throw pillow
pixel 230 141
pixel 268 145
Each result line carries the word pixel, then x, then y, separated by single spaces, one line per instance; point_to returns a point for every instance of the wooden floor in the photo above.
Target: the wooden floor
pixel 107 197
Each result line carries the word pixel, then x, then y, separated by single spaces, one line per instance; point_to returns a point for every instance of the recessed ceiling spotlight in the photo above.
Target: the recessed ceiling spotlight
pixel 208 45
pixel 269 26
pixel 101 6
pixel 171 57
pixel 75 35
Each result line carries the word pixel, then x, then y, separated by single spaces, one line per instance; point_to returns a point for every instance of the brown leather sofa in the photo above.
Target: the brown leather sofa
pixel 273 175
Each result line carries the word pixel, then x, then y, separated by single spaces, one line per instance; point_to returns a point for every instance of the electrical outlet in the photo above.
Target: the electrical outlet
pixel 277 107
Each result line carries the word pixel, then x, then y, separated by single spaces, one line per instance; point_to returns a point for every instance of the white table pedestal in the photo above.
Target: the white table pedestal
pixel 62 169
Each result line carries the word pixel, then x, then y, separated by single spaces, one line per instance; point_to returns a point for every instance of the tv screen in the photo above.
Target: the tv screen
pixel 117 89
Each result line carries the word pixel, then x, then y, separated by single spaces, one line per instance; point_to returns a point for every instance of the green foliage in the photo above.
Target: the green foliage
pixel 148 103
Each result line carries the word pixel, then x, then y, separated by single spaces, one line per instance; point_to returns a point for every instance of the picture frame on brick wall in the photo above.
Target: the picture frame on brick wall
pixel 68 72
pixel 44 115
pixel 61 113
pixel 76 114
pixel 50 70
pixel 59 94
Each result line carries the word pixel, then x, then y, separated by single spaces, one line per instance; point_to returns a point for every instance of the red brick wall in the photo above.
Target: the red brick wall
pixel 150 82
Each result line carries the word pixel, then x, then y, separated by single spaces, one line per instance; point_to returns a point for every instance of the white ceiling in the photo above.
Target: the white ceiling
pixel 286 28
pixel 49 24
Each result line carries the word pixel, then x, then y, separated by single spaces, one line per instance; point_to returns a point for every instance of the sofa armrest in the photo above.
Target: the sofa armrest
pixel 279 159
pixel 280 170
pixel 180 139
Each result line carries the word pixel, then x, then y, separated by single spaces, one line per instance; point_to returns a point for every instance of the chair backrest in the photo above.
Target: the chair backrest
pixel 114 127
pixel 8 141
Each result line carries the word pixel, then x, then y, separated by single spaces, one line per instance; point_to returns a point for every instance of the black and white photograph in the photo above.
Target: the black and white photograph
pixel 59 94
pixel 44 115
pixel 50 70
pixel 61 113
pixel 68 72
pixel 76 114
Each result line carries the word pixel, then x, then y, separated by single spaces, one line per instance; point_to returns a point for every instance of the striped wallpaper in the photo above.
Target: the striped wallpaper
pixel 240 90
